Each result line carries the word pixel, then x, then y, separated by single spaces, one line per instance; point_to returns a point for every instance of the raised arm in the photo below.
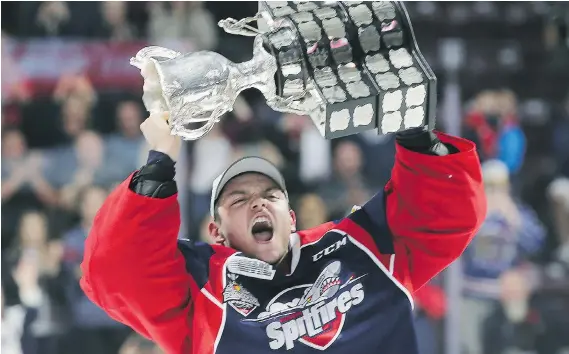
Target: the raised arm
pixel 435 205
pixel 430 209
pixel 132 267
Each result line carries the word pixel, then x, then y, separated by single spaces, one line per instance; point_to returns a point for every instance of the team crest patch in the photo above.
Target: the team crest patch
pixel 236 296
pixel 312 314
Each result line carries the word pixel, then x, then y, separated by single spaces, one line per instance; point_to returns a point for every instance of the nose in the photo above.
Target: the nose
pixel 259 203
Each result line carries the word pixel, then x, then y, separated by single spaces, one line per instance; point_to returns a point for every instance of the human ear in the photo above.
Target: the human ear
pixel 215 233
pixel 292 221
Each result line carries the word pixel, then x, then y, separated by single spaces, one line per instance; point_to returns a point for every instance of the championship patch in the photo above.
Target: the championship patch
pixel 236 296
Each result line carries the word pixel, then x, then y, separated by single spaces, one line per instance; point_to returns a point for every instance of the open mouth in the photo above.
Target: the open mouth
pixel 262 230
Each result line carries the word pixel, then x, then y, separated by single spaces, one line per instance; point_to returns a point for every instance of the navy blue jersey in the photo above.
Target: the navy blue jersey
pixel 337 290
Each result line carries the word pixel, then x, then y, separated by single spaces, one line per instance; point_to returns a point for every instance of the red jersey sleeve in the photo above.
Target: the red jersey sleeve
pixel 427 214
pixel 134 270
pixel 434 207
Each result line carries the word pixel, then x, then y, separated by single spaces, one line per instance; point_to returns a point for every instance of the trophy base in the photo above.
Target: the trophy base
pixel 359 62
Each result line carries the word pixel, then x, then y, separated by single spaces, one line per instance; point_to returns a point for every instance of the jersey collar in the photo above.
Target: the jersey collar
pixel 294 246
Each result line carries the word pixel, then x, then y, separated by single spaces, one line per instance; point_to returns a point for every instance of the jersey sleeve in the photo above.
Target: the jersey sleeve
pixel 428 212
pixel 134 269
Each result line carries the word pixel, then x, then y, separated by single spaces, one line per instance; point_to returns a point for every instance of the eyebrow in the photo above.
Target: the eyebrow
pixel 242 192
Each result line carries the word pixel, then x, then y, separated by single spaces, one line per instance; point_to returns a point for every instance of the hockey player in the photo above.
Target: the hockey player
pixel 345 286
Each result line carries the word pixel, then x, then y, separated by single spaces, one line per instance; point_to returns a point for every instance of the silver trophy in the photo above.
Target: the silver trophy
pixel 349 66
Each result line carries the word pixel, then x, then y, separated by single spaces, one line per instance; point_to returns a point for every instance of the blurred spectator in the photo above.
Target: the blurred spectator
pixel 210 156
pixel 553 297
pixel 347 186
pixel 515 326
pixel 188 20
pixel 493 124
pixel 430 302
pixel 123 147
pixel 52 19
pixel 510 234
pixel 264 149
pixel 16 88
pixel 560 132
pixel 12 326
pixel 76 87
pixel 14 154
pixel 35 262
pixel 63 117
pixel 115 23
pixel 135 344
pixel 311 211
pixel 24 186
pixel 556 37
pixel 315 159
pixel 558 193
pixel 79 166
pixel 75 115
pixel 379 152
pixel 93 331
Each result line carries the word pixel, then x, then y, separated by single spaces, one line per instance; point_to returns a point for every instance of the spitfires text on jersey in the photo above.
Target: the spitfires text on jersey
pixel 312 314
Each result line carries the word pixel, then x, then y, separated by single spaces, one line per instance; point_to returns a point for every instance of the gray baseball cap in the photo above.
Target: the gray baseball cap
pixel 245 165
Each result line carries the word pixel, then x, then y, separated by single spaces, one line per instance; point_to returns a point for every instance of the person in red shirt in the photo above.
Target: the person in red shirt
pixel 264 286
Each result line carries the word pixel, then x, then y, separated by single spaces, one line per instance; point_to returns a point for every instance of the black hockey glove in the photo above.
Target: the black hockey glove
pixel 156 178
pixel 424 141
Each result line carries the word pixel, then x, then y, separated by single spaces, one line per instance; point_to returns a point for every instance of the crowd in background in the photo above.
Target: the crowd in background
pixel 67 143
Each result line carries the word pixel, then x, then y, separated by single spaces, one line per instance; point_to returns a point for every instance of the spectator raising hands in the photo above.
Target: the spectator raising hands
pixel 38 275
pixel 24 185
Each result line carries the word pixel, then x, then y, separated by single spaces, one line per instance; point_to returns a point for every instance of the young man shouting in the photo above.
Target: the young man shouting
pixel 266 287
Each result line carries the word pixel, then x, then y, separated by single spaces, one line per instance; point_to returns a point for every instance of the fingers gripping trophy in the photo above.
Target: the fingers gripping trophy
pixel 349 66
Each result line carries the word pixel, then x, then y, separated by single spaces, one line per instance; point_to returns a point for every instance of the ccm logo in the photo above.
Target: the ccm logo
pixel 333 247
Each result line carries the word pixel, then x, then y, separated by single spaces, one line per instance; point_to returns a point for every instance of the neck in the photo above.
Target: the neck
pixel 284 264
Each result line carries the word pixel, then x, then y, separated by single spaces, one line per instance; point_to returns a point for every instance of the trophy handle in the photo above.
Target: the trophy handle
pixel 156 52
pixel 241 27
pixel 195 134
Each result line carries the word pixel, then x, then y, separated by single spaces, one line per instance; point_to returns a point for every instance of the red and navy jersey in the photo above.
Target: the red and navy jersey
pixel 349 286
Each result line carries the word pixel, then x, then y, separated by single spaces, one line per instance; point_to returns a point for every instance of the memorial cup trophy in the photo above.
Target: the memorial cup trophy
pixel 349 66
